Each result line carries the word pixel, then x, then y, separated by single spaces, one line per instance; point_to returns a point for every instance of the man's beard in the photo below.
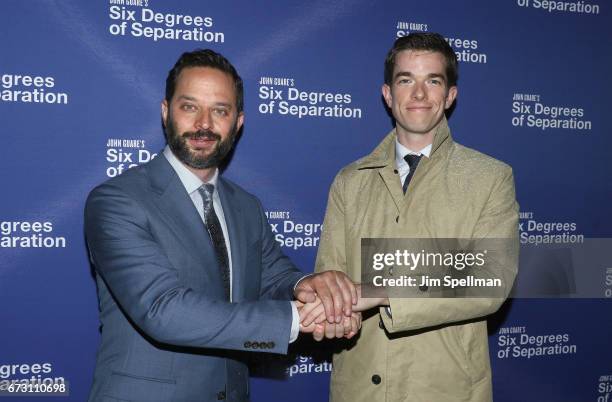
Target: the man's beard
pixel 178 145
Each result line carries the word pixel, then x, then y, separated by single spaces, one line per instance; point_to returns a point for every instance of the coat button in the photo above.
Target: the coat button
pixel 220 395
pixel 395 171
pixel 423 288
pixel 247 345
pixel 376 379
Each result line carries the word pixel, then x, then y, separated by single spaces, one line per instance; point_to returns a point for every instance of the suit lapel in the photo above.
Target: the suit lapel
pixel 232 210
pixel 176 205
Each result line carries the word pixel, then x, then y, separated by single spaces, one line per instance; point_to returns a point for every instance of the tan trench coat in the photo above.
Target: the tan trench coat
pixel 430 349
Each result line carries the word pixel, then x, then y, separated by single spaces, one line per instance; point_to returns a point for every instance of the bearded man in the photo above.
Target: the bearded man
pixel 188 273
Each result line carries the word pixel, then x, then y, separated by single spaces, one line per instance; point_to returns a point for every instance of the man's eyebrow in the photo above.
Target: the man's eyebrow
pixel 403 74
pixel 194 99
pixel 436 75
pixel 187 97
pixel 409 74
pixel 224 104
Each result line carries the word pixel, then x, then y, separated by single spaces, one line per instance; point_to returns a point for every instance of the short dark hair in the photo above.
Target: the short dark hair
pixel 205 58
pixel 423 41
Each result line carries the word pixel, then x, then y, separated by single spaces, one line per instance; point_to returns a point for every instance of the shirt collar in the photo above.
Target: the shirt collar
pixel 401 151
pixel 190 181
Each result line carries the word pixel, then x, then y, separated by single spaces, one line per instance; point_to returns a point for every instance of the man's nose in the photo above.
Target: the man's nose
pixel 418 92
pixel 204 121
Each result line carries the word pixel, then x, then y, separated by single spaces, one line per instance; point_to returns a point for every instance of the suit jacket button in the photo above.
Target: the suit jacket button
pixel 423 288
pixel 376 379
pixel 247 345
pixel 220 395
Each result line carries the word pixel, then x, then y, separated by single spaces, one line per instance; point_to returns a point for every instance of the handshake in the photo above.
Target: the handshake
pixel 330 305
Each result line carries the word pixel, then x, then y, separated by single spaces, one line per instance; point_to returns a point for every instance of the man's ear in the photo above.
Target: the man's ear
pixel 386 92
pixel 164 111
pixel 239 121
pixel 450 97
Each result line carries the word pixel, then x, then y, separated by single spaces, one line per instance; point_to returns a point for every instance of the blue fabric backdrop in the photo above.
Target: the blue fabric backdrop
pixel 81 89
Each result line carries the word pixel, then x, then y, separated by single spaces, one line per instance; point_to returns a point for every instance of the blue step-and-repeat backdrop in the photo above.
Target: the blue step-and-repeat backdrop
pixel 82 83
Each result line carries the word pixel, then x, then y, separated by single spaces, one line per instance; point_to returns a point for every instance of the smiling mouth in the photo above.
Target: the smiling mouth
pixel 202 142
pixel 202 139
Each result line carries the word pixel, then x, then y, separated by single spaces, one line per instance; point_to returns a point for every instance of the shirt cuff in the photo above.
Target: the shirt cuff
pixel 295 323
pixel 300 280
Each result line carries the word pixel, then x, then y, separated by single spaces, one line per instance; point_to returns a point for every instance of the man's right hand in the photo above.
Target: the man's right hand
pixel 312 320
pixel 335 290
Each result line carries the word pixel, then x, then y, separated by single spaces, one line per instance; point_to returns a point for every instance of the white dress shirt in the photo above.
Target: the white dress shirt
pixel 192 183
pixel 402 166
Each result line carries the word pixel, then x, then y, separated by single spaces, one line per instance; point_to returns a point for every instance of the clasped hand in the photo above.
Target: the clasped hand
pixel 330 305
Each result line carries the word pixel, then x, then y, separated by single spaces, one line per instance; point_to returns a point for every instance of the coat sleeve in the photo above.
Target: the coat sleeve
pixel 145 285
pixel 498 220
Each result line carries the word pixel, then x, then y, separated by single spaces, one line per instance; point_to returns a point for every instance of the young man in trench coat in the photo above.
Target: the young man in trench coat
pixel 419 349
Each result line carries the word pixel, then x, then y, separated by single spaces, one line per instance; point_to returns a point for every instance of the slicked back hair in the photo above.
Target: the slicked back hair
pixel 205 58
pixel 423 41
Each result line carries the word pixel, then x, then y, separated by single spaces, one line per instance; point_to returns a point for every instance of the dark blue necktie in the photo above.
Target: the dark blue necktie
pixel 412 161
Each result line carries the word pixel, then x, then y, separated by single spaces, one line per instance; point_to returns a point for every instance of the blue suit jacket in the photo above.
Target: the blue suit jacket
pixel 167 333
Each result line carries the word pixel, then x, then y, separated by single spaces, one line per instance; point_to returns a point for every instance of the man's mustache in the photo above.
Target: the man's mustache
pixel 202 134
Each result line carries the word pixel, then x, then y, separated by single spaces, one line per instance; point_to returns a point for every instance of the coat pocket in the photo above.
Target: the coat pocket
pixel 129 387
pixel 106 398
pixel 473 348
